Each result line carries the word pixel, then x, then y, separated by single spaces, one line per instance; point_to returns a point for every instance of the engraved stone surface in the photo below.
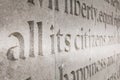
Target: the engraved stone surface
pixel 59 40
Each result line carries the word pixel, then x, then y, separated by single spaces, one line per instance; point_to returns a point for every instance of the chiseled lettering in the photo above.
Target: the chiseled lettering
pixel 52 36
pixel 89 36
pixel 50 4
pixel 57 5
pixel 71 6
pixel 20 38
pixel 67 42
pixel 74 75
pixel 80 74
pixel 40 38
pixel 66 77
pixel 61 72
pixel 31 1
pixel 83 10
pixel 31 27
pixel 41 2
pixel 59 40
pixel 82 39
pixel 66 6
pixel 85 39
pixel 77 39
pixel 77 7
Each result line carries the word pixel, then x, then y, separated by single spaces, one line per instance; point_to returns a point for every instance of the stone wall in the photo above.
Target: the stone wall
pixel 59 40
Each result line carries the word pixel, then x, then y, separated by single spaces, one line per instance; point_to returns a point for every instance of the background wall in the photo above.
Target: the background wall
pixel 62 52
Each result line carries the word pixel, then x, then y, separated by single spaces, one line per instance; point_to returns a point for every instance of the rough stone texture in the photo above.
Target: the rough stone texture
pixel 14 17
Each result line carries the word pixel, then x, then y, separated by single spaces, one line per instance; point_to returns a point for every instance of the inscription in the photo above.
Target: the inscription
pixel 114 76
pixel 80 41
pixel 114 3
pixel 89 12
pixel 90 70
pixel 21 43
pixel 31 1
pixel 20 38
pixel 67 41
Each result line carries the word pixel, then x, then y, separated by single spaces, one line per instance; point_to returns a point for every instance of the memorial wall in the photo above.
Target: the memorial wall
pixel 59 40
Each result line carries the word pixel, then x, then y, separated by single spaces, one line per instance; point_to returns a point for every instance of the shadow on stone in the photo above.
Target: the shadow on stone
pixel 29 78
